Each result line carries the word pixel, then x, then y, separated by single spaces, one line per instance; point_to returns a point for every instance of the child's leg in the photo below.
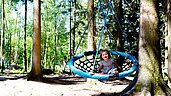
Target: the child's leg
pixel 104 71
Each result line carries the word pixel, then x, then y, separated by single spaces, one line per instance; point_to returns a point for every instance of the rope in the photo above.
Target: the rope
pixel 99 4
pixel 110 42
pixel 117 53
pixel 86 28
pixel 104 27
pixel 120 26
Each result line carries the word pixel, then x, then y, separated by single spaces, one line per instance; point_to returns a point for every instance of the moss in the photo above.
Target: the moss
pixel 138 87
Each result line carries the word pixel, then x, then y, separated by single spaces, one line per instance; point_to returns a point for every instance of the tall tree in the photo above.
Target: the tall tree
pixel 119 31
pixel 36 72
pixel 25 51
pixel 169 40
pixel 73 33
pixel 91 29
pixel 70 47
pixel 55 37
pixel 3 38
pixel 45 45
pixel 150 81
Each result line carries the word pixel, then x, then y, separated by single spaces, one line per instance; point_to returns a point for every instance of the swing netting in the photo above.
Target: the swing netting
pixel 86 64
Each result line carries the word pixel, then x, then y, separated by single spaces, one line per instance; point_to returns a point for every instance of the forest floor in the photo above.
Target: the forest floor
pixel 59 85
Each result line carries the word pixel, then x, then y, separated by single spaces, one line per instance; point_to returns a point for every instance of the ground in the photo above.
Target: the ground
pixel 59 85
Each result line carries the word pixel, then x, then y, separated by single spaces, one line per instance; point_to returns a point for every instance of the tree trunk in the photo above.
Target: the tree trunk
pixel 36 72
pixel 25 51
pixel 16 41
pixel 91 30
pixel 150 81
pixel 55 49
pixel 119 30
pixel 169 40
pixel 55 38
pixel 45 48
pixel 74 30
pixel 10 48
pixel 2 38
pixel 119 33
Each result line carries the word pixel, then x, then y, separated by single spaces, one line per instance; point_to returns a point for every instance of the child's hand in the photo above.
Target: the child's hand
pixel 115 71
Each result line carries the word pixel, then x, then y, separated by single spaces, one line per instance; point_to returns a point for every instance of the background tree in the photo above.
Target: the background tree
pixel 36 71
pixel 150 81
pixel 74 28
pixel 119 26
pixel 46 37
pixel 70 33
pixel 55 38
pixel 91 27
pixel 25 35
pixel 2 38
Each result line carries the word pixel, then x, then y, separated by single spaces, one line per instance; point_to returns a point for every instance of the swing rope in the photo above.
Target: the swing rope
pixel 81 73
pixel 82 36
pixel 110 5
pixel 105 16
pixel 103 29
pixel 99 4
pixel 120 26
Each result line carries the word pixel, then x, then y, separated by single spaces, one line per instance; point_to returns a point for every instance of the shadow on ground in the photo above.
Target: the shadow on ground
pixel 4 77
pixel 128 91
pixel 71 79
pixel 58 79
pixel 64 80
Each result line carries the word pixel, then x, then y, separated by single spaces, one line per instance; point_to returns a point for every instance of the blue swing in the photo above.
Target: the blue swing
pixel 103 76
pixel 85 74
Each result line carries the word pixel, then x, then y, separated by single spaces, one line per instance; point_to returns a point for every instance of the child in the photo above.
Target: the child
pixel 107 64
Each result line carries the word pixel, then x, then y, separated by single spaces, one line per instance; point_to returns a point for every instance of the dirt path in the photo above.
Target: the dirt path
pixel 12 86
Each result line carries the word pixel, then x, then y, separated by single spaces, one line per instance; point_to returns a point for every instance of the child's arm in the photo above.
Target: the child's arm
pixel 116 65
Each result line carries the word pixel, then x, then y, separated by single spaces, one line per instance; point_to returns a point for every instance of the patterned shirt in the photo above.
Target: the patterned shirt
pixel 107 65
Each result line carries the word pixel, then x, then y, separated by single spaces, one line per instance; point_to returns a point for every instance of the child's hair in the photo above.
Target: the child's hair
pixel 105 50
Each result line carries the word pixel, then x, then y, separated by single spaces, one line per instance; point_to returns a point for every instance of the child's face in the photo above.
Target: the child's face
pixel 105 56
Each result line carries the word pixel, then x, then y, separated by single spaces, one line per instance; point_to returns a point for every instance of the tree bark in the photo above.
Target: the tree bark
pixel 91 30
pixel 74 30
pixel 55 38
pixel 36 72
pixel 45 48
pixel 25 51
pixel 2 38
pixel 119 31
pixel 150 81
pixel 70 33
